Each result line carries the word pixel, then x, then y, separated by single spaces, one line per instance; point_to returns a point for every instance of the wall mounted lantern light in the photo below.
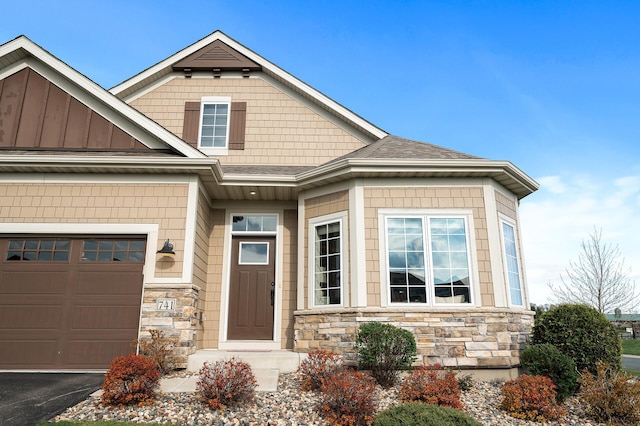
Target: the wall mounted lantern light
pixel 166 250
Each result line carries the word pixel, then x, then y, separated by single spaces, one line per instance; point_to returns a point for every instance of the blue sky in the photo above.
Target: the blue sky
pixel 552 86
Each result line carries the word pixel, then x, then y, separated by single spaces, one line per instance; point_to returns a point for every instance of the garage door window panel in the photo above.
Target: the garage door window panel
pixel 113 251
pixel 42 250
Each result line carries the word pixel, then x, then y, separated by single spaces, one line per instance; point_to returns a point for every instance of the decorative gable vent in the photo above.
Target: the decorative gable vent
pixel 218 56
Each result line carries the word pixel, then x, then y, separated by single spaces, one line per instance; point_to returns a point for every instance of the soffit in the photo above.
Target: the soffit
pixel 280 184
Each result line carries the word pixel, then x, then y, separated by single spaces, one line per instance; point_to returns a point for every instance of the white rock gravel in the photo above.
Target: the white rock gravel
pixel 291 407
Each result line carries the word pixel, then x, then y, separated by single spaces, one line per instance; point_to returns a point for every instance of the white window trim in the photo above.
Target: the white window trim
pixel 425 215
pixel 242 243
pixel 206 100
pixel 319 221
pixel 505 265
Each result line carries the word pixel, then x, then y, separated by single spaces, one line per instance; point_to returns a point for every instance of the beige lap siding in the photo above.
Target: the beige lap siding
pixel 211 322
pixel 200 262
pixel 82 202
pixel 506 205
pixel 289 276
pixel 321 206
pixel 425 198
pixel 276 124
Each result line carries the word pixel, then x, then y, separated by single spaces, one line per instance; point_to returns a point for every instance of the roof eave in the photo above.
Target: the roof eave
pixel 504 172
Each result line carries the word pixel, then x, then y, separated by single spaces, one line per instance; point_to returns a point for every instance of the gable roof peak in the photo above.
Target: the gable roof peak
pixel 221 49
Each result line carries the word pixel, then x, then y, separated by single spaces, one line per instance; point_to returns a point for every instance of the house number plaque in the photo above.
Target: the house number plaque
pixel 166 305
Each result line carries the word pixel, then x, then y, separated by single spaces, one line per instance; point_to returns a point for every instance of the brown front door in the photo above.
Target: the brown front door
pixel 252 289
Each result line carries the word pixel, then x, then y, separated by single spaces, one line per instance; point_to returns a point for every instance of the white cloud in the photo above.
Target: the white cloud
pixel 564 211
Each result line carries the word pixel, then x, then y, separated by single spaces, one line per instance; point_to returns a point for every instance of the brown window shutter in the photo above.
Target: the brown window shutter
pixel 191 123
pixel 237 124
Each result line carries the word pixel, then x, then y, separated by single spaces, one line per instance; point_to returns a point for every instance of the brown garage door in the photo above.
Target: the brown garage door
pixel 68 303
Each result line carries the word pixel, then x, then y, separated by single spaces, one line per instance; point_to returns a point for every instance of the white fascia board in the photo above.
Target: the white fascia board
pixel 268 67
pixel 66 163
pixel 62 74
pixel 360 165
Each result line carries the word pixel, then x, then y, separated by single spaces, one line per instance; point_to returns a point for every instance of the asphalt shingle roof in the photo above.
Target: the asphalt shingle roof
pixel 394 147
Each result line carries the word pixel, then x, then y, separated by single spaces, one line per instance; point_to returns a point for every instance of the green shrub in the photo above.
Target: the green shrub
pixel 420 414
pixel 317 367
pixel 465 381
pixel 384 349
pixel 580 332
pixel 431 385
pixel 547 360
pixel 349 398
pixel 531 398
pixel 223 383
pixel 611 397
pixel 131 379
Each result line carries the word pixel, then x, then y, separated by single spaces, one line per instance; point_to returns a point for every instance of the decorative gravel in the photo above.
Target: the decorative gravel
pixel 289 406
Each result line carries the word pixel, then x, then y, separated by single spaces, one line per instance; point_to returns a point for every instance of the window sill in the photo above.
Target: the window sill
pixel 215 151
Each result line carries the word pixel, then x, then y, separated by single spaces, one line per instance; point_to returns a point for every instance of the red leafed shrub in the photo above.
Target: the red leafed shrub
pixel 349 398
pixel 318 366
pixel 224 383
pixel 131 379
pixel 433 386
pixel 531 398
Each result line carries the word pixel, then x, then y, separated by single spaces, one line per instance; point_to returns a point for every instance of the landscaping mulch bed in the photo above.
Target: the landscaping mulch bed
pixel 290 406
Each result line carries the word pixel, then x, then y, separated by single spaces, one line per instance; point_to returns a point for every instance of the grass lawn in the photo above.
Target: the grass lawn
pixel 631 346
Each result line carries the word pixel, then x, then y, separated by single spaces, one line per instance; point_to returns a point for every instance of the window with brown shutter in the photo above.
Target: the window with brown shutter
pixel 191 131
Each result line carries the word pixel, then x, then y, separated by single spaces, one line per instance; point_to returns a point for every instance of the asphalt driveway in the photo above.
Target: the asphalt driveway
pixel 28 398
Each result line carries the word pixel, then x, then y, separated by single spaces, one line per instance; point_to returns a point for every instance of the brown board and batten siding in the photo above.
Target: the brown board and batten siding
pixel 38 115
pixel 237 124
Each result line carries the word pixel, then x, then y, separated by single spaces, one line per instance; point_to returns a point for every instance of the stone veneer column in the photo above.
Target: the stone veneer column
pixel 180 322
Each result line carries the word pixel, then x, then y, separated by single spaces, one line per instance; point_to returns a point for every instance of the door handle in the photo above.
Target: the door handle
pixel 273 292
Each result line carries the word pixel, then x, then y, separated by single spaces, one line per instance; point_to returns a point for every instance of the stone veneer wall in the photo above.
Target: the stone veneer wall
pixel 180 322
pixel 472 339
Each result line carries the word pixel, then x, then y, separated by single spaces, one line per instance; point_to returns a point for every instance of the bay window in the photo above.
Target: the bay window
pixel 428 259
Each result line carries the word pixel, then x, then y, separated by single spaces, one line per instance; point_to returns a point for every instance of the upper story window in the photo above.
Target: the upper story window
pixel 215 125
pixel 512 267
pixel 428 259
pixel 214 122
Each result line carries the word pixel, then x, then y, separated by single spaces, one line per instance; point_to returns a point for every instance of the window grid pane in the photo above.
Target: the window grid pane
pixel 215 118
pixel 113 251
pixel 49 250
pixel 450 260
pixel 513 271
pixel 328 264
pixel 254 223
pixel 406 260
